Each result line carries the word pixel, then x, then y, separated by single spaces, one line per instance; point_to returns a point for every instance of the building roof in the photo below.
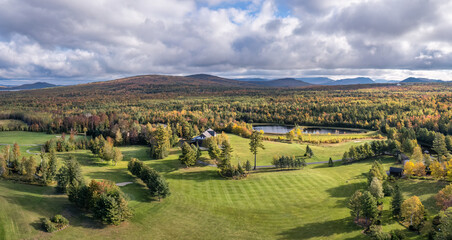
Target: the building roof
pixel 395 170
pixel 209 133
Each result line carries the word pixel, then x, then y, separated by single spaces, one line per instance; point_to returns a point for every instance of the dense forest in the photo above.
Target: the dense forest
pixel 191 105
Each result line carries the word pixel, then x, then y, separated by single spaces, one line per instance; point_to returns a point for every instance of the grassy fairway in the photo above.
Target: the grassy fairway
pixel 300 204
pixel 321 152
pixel 25 138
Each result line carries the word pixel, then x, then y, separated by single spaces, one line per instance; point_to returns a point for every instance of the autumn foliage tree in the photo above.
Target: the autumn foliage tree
pixel 413 211
pixel 444 197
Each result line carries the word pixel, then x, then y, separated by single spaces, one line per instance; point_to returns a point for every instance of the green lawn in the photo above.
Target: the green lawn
pixel 321 152
pixel 25 138
pixel 301 204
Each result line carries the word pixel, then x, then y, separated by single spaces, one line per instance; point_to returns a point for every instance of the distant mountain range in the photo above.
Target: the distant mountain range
pixel 292 82
pixel 157 82
pixel 36 85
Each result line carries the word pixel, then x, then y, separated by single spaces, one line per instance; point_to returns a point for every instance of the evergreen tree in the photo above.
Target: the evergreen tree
pixel 376 188
pixel 345 158
pixel 3 168
pixel 356 204
pixel 256 142
pixel 369 209
pixel 53 164
pixel 69 175
pixel 188 157
pixel 214 150
pixel 330 162
pixel 397 200
pixel 226 154
pixel 198 152
pixel 162 188
pixel 248 166
pixel 439 145
pixel 309 153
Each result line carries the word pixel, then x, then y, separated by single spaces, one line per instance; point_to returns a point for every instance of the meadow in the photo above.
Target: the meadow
pixel 269 204
pixel 322 152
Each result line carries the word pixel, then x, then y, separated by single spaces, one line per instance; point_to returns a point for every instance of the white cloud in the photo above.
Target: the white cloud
pixel 101 39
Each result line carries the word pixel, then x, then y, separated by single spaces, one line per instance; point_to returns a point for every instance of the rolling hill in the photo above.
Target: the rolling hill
pixel 420 80
pixel 283 82
pixel 36 85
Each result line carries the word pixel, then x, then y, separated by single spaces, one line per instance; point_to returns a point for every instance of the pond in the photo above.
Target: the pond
pixel 280 129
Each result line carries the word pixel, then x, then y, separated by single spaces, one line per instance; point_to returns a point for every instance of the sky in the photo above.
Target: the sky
pixel 67 41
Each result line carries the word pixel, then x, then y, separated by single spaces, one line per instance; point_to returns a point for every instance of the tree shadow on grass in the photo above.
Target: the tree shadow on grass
pixel 115 175
pixel 48 204
pixel 345 190
pixel 320 230
pixel 200 175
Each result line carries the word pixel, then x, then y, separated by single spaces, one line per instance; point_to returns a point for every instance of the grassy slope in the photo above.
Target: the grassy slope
pixel 11 137
pixel 301 204
pixel 321 152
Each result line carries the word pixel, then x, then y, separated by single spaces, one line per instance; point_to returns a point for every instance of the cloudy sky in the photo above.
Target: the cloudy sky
pixel 67 41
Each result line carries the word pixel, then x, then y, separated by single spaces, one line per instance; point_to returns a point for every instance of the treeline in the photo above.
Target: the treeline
pixel 13 166
pixel 156 183
pixel 374 108
pixel 366 150
pixel 288 162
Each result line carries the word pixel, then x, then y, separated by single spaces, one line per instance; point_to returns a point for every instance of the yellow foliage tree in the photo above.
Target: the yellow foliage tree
pixel 438 170
pixel 419 169
pixel 449 169
pixel 413 211
pixel 409 168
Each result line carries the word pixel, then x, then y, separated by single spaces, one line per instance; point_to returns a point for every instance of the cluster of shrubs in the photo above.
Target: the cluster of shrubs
pixel 157 185
pixel 288 162
pixel 104 199
pixel 104 148
pixel 64 144
pixel 235 172
pixel 55 223
pixel 375 148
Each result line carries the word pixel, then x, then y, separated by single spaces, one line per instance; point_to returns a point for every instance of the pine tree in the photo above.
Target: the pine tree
pixel 439 145
pixel 397 201
pixel 53 164
pixel 248 166
pixel 330 162
pixel 3 168
pixel 188 157
pixel 309 153
pixel 356 204
pixel 369 210
pixel 214 150
pixel 69 175
pixel 256 142
pixel 226 154
pixel 162 188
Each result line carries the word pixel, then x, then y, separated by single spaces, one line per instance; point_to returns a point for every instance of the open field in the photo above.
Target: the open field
pixel 25 138
pixel 301 204
pixel 322 152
